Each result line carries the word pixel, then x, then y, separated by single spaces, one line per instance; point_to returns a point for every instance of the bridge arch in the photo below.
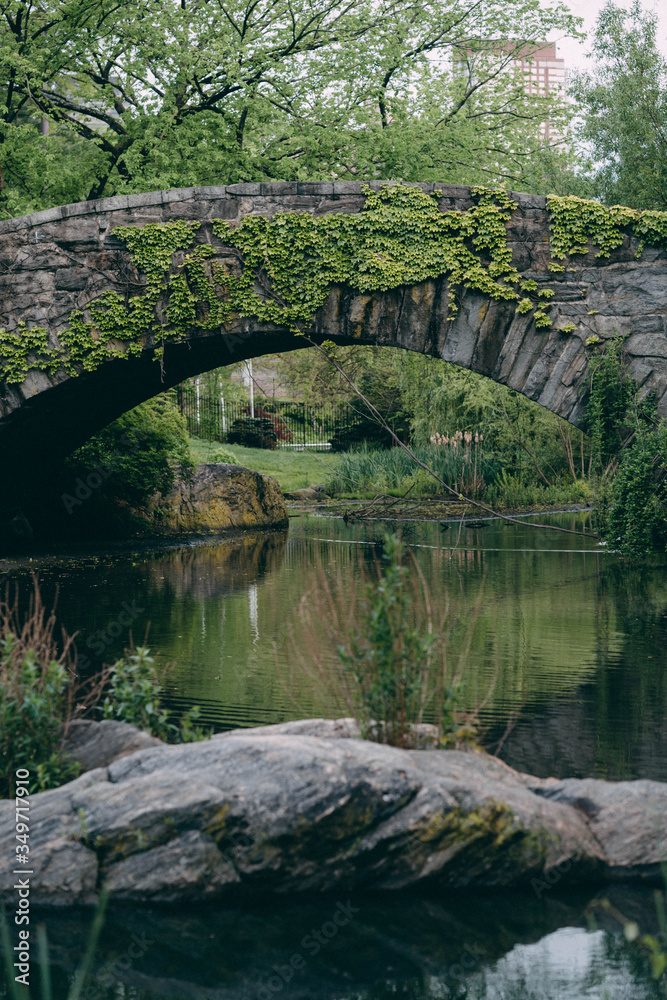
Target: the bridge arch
pixel 502 308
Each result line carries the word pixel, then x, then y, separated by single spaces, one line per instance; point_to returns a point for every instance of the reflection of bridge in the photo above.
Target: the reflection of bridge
pixel 60 260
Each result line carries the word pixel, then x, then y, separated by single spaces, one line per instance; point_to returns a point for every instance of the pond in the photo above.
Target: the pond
pixel 568 656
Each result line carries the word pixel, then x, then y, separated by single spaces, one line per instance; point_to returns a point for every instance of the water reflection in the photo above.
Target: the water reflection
pixel 580 641
pixel 576 636
pixel 477 945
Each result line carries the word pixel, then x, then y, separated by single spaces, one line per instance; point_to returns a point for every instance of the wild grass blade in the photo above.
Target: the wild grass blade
pixel 84 968
pixel 16 990
pixel 43 959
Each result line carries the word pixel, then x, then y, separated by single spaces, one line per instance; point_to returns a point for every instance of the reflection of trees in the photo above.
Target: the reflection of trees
pixel 395 944
pixel 629 699
pixel 614 724
pixel 579 638
pixel 218 569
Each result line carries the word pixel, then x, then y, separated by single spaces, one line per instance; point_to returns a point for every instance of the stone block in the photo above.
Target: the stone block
pixel 211 193
pixel 247 190
pixel 346 205
pixel 71 279
pixel 648 324
pixel 149 200
pixel 646 345
pixel 315 187
pixel 177 194
pixel 346 187
pixel 276 189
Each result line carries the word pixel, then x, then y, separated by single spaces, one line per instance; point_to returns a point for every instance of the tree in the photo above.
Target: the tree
pixel 139 454
pixel 99 97
pixel 624 101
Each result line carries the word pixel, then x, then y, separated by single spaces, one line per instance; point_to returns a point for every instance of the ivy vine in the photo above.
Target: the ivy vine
pixel 577 224
pixel 281 270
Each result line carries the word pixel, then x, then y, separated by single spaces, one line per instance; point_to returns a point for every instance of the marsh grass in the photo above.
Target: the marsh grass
pixel 376 643
pixel 17 991
pixel 457 460
pixel 40 693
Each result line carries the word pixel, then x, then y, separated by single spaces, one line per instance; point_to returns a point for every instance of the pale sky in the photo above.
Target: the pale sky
pixel 574 53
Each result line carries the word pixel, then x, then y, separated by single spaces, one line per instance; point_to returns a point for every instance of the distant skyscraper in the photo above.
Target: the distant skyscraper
pixel 545 74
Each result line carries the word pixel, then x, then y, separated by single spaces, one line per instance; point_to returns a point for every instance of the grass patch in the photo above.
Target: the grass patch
pixel 292 469
pixel 364 473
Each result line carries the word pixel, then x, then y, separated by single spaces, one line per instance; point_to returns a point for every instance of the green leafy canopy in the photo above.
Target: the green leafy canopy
pixel 98 98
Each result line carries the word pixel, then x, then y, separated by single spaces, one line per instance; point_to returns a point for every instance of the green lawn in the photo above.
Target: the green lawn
pixel 292 469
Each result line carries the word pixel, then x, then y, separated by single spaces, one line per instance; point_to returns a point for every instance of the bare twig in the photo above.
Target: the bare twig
pixel 383 423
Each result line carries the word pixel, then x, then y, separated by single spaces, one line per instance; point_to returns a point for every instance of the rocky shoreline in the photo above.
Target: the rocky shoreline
pixel 308 807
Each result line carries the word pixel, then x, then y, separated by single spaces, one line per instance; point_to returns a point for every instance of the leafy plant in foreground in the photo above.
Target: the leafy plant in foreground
pixel 41 693
pixel 134 695
pixel 37 688
pixel 392 649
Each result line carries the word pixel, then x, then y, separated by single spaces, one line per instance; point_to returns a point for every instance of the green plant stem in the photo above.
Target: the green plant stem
pixel 43 959
pixel 84 968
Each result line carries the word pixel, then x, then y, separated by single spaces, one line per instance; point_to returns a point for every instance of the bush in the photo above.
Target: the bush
pixel 137 455
pixel 253 432
pixel 611 404
pixel 134 695
pixel 41 693
pixel 362 432
pixel 633 514
pixel 217 453
pixel 37 687
pixel 392 647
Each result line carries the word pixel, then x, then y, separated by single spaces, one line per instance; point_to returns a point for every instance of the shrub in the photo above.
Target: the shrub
pixel 361 432
pixel 392 650
pixel 133 694
pixel 612 399
pixel 280 427
pixel 137 455
pixel 218 453
pixel 36 697
pixel 253 432
pixel 633 516
pixel 41 693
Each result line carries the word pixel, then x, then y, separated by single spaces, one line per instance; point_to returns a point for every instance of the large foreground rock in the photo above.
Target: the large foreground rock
pixel 221 497
pixel 282 810
pixel 98 744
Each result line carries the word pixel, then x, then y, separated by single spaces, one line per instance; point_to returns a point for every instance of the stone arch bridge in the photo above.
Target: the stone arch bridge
pixel 63 259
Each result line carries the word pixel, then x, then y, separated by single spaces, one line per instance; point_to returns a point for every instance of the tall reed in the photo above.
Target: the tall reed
pixel 40 693
pixel 374 641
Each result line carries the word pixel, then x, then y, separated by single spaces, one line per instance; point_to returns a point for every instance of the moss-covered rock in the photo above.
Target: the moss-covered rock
pixel 220 497
pixel 308 807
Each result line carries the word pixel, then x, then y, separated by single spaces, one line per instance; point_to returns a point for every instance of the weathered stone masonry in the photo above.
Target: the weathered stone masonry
pixel 62 259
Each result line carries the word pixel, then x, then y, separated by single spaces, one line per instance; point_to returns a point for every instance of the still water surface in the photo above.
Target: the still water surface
pixel 573 640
